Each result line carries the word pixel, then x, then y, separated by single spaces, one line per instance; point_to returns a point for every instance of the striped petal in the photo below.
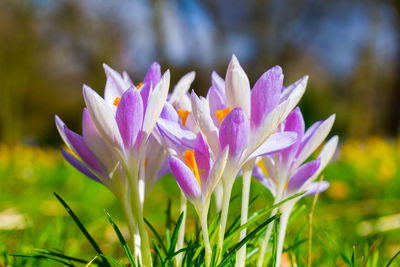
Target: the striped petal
pixel 302 174
pixel 237 87
pixel 129 116
pixel 185 179
pixel 79 165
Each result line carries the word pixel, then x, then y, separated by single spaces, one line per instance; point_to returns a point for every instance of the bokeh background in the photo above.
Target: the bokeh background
pixel 48 49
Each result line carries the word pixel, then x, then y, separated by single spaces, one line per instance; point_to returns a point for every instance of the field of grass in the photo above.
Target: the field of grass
pixel 360 211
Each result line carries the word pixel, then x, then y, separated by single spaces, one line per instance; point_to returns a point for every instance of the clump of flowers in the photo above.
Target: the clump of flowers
pixel 138 133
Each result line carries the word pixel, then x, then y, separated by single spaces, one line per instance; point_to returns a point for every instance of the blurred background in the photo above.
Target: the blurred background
pixel 48 49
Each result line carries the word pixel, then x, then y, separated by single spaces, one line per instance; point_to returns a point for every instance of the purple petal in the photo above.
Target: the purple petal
pixel 234 131
pixel 83 151
pixel 129 116
pixel 115 85
pixel 303 173
pixel 79 165
pixel 164 170
pixel 294 123
pixel 216 102
pixel 202 157
pixel 275 143
pixel 153 75
pixel 185 178
pixel 259 175
pixel 169 113
pixel 265 95
pixel 219 84
pixel 314 187
pixel 176 134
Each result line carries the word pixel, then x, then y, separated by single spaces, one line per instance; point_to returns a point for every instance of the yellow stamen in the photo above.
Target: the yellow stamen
pixel 139 86
pixel 116 101
pixel 183 114
pixel 261 164
pixel 191 163
pixel 221 114
pixel 287 183
pixel 145 164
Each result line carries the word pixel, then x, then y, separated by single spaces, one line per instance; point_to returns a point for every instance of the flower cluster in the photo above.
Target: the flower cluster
pixel 138 133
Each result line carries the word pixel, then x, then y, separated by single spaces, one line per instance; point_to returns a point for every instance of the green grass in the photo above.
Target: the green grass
pixel 351 228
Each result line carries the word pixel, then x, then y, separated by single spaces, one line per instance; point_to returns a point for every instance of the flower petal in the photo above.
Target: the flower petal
pixel 185 179
pixel 129 116
pixel 275 143
pixel 101 150
pixel 202 157
pixel 60 128
pixel 175 133
pixel 274 118
pixel 259 175
pixel 216 102
pixel 288 91
pixel 215 174
pixel 182 87
pixel 326 155
pixel 201 113
pixel 302 174
pixel 313 188
pixel 79 165
pixel 82 150
pixel 315 140
pixel 237 87
pixel 295 123
pixel 103 117
pixel 153 75
pixel 169 113
pixel 156 103
pixel 234 131
pixel 218 83
pixel 115 85
pixel 265 95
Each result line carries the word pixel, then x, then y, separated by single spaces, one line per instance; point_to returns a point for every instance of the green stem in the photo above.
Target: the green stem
pixel 202 212
pixel 281 236
pixel 226 196
pixel 181 234
pixel 127 210
pixel 247 171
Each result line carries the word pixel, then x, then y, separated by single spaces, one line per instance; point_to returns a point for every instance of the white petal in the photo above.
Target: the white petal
pixel 315 140
pixel 127 79
pixel 298 85
pixel 156 103
pixel 215 174
pixel 103 117
pixel 237 87
pixel 183 103
pixel 326 155
pixel 115 85
pixel 274 143
pixel 274 118
pixel 201 113
pixel 60 127
pixel 182 87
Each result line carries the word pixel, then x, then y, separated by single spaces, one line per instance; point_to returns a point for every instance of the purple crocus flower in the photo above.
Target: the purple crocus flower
pixel 115 133
pixel 285 173
pixel 197 176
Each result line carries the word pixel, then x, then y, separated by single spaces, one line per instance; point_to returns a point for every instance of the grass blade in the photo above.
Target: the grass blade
pixel 121 240
pixel 393 258
pixel 235 248
pixel 158 237
pixel 82 228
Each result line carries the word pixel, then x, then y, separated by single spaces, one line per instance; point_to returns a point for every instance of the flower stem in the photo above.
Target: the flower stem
pixel 281 236
pixel 181 233
pixel 226 196
pixel 132 226
pixel 247 171
pixel 203 211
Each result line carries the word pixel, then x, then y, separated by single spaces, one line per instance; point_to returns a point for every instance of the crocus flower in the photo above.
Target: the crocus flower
pixel 285 173
pixel 245 120
pixel 115 131
pixel 197 177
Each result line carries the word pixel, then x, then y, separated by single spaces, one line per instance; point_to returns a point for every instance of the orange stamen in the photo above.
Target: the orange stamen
pixel 221 114
pixel 191 163
pixel 287 183
pixel 261 164
pixel 183 114
pixel 139 86
pixel 116 101
pixel 145 164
